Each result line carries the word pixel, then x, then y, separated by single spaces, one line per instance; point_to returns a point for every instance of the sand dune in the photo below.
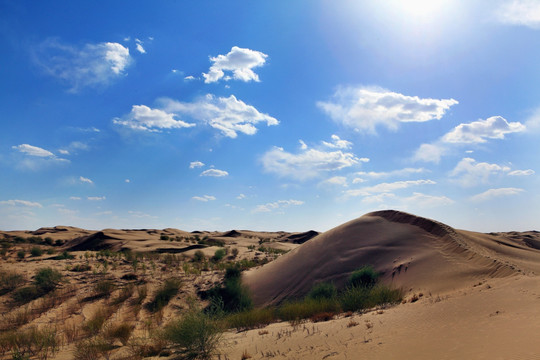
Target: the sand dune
pixel 417 254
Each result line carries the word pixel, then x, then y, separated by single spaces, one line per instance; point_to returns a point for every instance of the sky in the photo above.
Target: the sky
pixel 269 115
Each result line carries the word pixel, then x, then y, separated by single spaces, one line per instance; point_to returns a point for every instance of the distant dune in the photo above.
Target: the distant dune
pixel 411 252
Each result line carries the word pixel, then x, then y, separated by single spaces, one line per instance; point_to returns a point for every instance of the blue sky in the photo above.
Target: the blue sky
pixel 268 115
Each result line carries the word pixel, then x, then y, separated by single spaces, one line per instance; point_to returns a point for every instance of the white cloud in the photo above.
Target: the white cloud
pixel 139 46
pixel 228 115
pixel 85 180
pixel 335 181
pixel 140 214
pixel 424 201
pixel 471 173
pixel 519 12
pixel 303 145
pixel 17 202
pixel 74 198
pixel 400 172
pixel 96 198
pixel 277 205
pixel 338 143
pixel 379 198
pixel 494 127
pixel 91 65
pixel 195 164
pixel 239 61
pixel 189 78
pixel 241 197
pixel 63 152
pixel 309 163
pixel 127 181
pixel 214 173
pixel 33 150
pixel 387 187
pixel 527 172
pixel 430 153
pixel 364 108
pixel 204 198
pixel 493 193
pixel 144 118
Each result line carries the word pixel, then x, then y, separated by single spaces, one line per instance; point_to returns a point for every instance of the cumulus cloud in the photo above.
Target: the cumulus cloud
pixel 527 172
pixel 364 108
pixel 308 163
pixel 519 12
pixel 468 172
pixel 337 143
pixel 17 202
pixel 144 118
pixel 214 173
pixel 92 65
pixel 494 127
pixel 195 164
pixel 226 114
pixel 476 132
pixel 493 193
pixel 239 61
pixel 204 198
pixel 277 205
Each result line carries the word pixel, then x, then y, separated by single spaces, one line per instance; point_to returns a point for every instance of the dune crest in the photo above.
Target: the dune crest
pixel 411 252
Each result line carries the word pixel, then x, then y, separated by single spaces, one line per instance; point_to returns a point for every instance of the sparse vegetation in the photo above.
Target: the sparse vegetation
pixel 36 251
pixel 164 294
pixel 9 281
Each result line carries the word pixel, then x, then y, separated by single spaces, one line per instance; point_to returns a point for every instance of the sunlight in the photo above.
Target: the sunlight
pixel 420 9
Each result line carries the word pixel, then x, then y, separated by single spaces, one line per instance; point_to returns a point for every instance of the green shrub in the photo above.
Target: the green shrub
pixel 36 251
pixel 219 255
pixel 9 281
pixel 303 309
pixel 250 319
pixel 25 294
pixel 59 242
pixel 232 295
pixel 121 332
pixel 93 325
pixel 47 279
pixel 198 256
pixel 48 241
pixel 164 237
pixel 93 349
pixel 164 295
pixel 21 254
pixel 81 267
pixel 31 342
pixel 323 291
pixel 194 336
pixel 364 277
pixel 104 288
pixel 355 298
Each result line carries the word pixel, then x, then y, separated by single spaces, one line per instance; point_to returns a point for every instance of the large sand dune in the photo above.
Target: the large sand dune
pixel 417 254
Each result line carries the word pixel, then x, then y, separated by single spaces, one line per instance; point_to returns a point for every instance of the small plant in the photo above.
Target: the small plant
pixel 198 257
pixel 235 252
pixel 120 331
pixel 323 291
pixel 36 251
pixel 47 279
pixel 104 288
pixel 164 237
pixel 194 336
pixel 219 255
pixel 164 295
pixel 9 281
pixel 81 268
pixel 21 254
pixel 364 277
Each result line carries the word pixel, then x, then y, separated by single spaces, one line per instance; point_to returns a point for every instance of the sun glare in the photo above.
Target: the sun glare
pixel 420 9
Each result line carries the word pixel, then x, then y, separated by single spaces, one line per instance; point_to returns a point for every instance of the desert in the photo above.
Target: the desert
pixel 458 294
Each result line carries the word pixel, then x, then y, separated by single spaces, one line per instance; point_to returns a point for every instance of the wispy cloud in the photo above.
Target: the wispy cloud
pixel 33 150
pixel 139 46
pixel 494 193
pixel 239 61
pixel 387 187
pixel 214 173
pixel 519 12
pixel 195 164
pixel 527 172
pixel 204 198
pixel 92 65
pixel 277 205
pixel 399 172
pixel 226 114
pixel 145 118
pixel 36 157
pixel 17 202
pixel 337 143
pixel 335 181
pixel 365 108
pixel 96 198
pixel 85 180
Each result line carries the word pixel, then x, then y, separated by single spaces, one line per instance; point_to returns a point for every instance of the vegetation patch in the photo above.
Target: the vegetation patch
pixel 169 290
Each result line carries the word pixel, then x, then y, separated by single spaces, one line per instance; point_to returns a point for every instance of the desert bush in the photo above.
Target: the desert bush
pixel 364 277
pixel 196 335
pixel 250 319
pixel 81 268
pixel 219 255
pixel 9 281
pixel 93 349
pixel 164 237
pixel 59 242
pixel 323 291
pixel 304 309
pixel 48 241
pixel 65 255
pixel 235 252
pixel 198 256
pixel 167 291
pixel 142 292
pixel 47 279
pixel 50 251
pixel 124 294
pixel 25 294
pixel 232 294
pixel 36 251
pixel 21 254
pixel 104 288
pixel 93 325
pixel 119 331
pixel 32 342
pixel 140 347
